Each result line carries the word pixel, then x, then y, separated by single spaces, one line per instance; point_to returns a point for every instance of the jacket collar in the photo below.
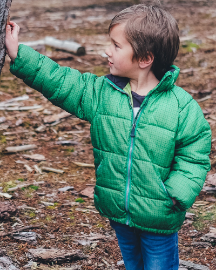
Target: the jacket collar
pixel 121 82
pixel 165 84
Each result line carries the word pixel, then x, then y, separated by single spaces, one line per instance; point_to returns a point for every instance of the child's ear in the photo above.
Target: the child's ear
pixel 143 63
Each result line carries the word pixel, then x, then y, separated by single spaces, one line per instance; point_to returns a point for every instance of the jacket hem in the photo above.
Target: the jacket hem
pixel 160 231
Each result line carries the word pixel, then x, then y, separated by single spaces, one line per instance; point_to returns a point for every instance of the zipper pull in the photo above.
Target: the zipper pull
pixel 133 130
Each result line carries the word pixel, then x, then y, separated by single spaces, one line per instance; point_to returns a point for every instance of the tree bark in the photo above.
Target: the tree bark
pixel 4 15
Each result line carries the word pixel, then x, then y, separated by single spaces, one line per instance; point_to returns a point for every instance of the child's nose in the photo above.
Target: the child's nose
pixel 108 51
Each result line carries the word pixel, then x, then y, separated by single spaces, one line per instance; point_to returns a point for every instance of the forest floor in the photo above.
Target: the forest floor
pixel 68 220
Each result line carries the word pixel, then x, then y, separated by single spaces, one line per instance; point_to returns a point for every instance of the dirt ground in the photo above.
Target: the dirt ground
pixel 68 220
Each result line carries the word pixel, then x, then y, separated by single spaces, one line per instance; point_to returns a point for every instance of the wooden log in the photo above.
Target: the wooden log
pixel 65 45
pixel 4 14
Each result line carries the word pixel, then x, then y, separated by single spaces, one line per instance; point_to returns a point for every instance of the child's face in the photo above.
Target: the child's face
pixel 120 54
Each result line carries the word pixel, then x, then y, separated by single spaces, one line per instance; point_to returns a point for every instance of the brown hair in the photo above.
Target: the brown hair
pixel 150 30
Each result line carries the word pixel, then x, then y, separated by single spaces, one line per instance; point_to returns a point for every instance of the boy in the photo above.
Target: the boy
pixel 151 141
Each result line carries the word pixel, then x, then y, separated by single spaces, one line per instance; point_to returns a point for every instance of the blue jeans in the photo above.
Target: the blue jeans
pixel 143 250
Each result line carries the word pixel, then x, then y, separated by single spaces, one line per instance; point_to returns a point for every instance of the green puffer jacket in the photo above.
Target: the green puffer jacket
pixel 140 163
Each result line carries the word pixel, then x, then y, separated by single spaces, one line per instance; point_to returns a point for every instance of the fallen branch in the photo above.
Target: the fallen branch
pixel 20 230
pixel 14 149
pixel 25 185
pixel 204 99
pixel 6 195
pixel 35 157
pixel 55 117
pixel 37 169
pixel 28 168
pixel 48 169
pixel 5 103
pixel 15 132
pixel 20 108
pixel 80 164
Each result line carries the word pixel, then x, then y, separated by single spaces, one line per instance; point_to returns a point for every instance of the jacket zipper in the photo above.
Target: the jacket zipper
pixel 132 135
pixel 129 167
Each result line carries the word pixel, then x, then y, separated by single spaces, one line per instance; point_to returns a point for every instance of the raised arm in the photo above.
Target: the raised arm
pixel 65 87
pixel 191 162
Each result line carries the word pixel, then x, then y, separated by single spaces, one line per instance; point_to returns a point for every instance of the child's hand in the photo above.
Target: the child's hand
pixel 11 41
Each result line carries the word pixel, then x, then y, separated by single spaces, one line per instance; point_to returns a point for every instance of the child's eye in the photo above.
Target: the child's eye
pixel 116 45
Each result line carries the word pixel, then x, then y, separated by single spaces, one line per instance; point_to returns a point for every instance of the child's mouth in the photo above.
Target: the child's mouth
pixel 110 63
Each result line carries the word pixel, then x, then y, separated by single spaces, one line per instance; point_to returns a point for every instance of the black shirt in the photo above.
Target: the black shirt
pixel 137 101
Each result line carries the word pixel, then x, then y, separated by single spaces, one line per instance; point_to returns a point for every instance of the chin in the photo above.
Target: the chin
pixel 115 73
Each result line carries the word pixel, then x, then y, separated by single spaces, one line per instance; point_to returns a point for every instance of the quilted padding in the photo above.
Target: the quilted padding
pixel 140 164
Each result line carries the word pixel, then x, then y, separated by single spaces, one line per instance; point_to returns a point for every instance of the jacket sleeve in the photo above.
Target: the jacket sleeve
pixel 191 161
pixel 65 87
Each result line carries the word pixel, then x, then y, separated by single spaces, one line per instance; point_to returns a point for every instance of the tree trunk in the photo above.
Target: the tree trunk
pixel 4 14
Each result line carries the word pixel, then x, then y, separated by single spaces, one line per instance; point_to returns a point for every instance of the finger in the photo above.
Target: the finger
pixel 14 26
pixel 8 30
pixel 15 30
pixel 12 23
